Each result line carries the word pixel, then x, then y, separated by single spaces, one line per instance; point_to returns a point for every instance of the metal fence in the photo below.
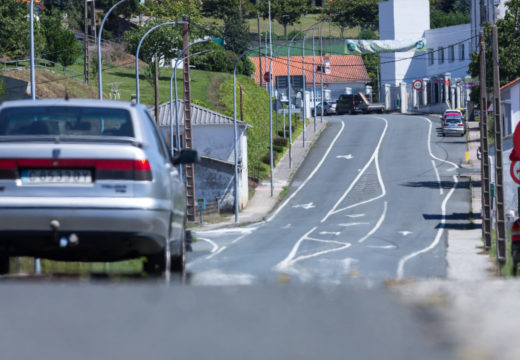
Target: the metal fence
pixel 42 64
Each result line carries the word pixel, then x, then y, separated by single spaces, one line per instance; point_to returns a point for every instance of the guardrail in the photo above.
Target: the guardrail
pixel 43 64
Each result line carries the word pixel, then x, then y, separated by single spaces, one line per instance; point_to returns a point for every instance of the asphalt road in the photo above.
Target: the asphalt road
pixel 370 203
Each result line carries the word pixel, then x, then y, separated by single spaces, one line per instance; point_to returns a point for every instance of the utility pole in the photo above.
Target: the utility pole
pixel 484 148
pixel 499 171
pixel 241 105
pixel 85 41
pixel 188 140
pixel 156 85
pixel 93 26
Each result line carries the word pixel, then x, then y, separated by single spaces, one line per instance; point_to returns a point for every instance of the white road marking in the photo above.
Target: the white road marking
pixel 378 225
pixel 277 211
pixel 347 157
pixel 288 226
pixel 215 246
pixel 354 224
pixel 330 233
pixel 216 252
pixel 304 206
pixel 347 263
pixel 353 216
pixel 285 263
pixel 404 260
pixel 438 177
pixel 405 232
pixel 217 277
pixel 240 230
pixel 382 246
pixel 374 157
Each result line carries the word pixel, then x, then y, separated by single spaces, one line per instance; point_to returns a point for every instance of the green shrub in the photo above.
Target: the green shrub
pixel 280 141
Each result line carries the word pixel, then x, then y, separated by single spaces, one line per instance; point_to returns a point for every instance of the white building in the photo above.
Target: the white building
pixel 510 97
pixel 442 68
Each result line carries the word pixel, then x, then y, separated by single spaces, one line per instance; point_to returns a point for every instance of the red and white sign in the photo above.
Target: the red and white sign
pixel 417 84
pixel 515 171
pixel 267 78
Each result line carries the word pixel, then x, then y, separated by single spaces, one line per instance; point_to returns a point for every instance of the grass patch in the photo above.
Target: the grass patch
pixel 284 192
pixel 127 267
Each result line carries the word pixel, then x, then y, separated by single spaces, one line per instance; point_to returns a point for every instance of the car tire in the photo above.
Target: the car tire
pixel 155 264
pixel 178 262
pixel 4 264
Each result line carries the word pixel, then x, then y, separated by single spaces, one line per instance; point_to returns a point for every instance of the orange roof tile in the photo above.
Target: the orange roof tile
pixel 511 83
pixel 343 68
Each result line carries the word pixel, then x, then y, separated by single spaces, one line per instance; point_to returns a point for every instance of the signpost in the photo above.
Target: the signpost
pixel 417 85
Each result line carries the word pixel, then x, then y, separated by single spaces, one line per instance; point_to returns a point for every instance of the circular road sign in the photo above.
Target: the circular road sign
pixel 267 78
pixel 516 140
pixel 515 171
pixel 417 84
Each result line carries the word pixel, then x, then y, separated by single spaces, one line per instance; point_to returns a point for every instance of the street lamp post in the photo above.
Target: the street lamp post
pixel 304 87
pixel 314 81
pixel 139 48
pixel 31 20
pixel 100 87
pixel 289 97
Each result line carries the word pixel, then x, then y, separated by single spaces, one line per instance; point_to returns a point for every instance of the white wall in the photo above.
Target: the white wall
pixel 399 20
pixel 446 37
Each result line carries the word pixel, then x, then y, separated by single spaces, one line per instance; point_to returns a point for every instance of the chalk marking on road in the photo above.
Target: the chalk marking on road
pixel 325 241
pixel 378 225
pixel 374 157
pixel 216 253
pixel 285 263
pixel 277 211
pixel 382 246
pixel 354 224
pixel 438 177
pixel 304 206
pixel 404 260
pixel 330 233
pixel 405 232
pixel 353 216
pixel 346 157
pixel 244 230
pixel 212 243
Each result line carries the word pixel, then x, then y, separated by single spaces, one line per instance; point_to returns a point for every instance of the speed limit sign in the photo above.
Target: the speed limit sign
pixel 417 84
pixel 515 171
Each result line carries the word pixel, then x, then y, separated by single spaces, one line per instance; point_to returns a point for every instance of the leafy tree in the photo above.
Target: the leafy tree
pixel 15 28
pixel 371 61
pixel 227 8
pixel 236 34
pixel 350 13
pixel 508 51
pixel 285 12
pixel 60 44
pixel 220 60
pixel 173 9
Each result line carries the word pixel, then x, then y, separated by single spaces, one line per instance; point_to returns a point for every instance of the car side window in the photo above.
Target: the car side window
pixel 161 146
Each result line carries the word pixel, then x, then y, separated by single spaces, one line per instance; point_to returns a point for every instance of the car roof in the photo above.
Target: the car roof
pixel 70 102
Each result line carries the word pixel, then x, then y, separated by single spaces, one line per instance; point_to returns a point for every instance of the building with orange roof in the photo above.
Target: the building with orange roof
pixel 339 73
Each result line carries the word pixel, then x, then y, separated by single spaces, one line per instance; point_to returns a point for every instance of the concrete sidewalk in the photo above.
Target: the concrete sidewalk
pixel 466 258
pixel 263 202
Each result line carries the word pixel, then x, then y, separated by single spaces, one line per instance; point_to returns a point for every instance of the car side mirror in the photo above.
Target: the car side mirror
pixel 185 156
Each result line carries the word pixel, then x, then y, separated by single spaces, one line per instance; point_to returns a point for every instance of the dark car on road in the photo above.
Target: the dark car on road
pixel 88 180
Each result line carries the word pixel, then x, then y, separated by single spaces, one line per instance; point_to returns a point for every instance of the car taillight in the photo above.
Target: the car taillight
pixel 138 170
pixel 8 169
pixel 460 124
pixel 445 124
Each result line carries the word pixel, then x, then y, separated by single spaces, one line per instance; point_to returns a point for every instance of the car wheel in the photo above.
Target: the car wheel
pixel 155 264
pixel 4 265
pixel 443 134
pixel 178 262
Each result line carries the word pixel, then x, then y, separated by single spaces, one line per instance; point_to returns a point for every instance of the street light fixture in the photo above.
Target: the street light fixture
pixel 139 48
pixel 304 87
pixel 31 20
pixel 100 87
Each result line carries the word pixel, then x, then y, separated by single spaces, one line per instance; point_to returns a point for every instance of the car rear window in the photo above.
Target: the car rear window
pixel 65 121
pixel 453 119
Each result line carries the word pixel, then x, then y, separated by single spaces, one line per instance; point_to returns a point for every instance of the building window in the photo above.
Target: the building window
pixel 441 55
pixel 431 58
pixel 451 52
pixel 461 52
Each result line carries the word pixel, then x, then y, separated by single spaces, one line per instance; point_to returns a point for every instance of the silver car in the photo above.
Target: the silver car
pixel 328 106
pixel 453 125
pixel 89 180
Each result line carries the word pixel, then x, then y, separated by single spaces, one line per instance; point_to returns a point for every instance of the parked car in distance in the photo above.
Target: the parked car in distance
pixel 453 124
pixel 89 180
pixel 328 106
pixel 357 103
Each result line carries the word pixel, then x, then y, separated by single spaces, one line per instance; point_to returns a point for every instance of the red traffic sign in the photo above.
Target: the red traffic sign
pixel 516 139
pixel 417 84
pixel 515 171
pixel 267 78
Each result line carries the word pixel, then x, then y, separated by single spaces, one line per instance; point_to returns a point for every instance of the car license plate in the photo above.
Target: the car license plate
pixel 56 176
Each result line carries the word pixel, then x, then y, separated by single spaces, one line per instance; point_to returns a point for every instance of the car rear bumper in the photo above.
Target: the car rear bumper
pixel 453 131
pixel 103 234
